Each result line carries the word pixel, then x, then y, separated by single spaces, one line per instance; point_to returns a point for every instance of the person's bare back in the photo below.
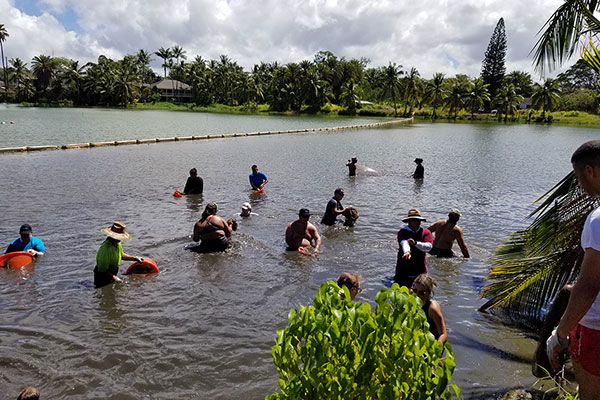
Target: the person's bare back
pixel 446 232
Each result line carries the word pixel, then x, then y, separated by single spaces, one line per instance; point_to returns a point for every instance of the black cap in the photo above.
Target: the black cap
pixel 304 212
pixel 25 228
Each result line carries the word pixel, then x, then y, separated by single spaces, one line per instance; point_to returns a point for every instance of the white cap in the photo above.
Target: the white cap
pixel 246 206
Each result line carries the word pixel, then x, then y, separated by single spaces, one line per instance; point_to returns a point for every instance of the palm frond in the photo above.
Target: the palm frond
pixel 534 264
pixel 559 37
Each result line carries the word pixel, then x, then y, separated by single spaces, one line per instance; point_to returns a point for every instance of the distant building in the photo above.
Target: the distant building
pixel 526 103
pixel 171 89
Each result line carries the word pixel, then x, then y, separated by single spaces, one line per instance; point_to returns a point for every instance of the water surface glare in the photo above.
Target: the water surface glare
pixel 204 327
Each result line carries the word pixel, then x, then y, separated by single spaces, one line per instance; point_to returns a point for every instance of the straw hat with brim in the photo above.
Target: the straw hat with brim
pixel 117 231
pixel 414 214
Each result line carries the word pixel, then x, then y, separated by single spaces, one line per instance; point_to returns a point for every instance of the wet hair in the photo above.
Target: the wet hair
pixel 210 208
pixel 587 154
pixel 254 167
pixel 427 281
pixel 350 280
pixel 338 191
pixel 29 393
pixel 193 171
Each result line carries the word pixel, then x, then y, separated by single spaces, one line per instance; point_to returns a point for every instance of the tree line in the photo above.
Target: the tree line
pixel 309 86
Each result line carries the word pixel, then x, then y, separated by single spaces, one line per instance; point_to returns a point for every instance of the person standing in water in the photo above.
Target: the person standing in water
pixel 422 287
pixel 257 179
pixel 213 232
pixel 27 242
pixel 110 254
pixel 414 242
pixel 420 170
pixel 194 184
pixel 351 164
pixel 446 232
pixel 334 208
pixel 301 233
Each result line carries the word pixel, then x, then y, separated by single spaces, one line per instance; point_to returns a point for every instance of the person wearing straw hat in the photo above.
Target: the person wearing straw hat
pixel 414 242
pixel 446 232
pixel 110 254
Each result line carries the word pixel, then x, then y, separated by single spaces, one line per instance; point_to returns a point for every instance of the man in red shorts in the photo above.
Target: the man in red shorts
pixel 579 327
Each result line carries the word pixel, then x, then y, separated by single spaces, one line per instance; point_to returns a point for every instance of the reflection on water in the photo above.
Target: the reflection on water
pixel 204 326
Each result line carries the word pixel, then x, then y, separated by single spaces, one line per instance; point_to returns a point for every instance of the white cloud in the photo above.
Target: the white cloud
pixel 431 35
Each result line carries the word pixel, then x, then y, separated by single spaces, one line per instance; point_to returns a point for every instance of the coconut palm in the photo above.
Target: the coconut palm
pixel 43 68
pixel 20 72
pixel 391 84
pixel 534 264
pixel 178 52
pixel 477 95
pixel 411 85
pixel 455 99
pixel 3 35
pixel 166 55
pixel 435 93
pixel 507 100
pixel 546 96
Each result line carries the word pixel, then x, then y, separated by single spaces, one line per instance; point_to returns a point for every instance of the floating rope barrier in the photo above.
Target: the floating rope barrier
pixel 183 138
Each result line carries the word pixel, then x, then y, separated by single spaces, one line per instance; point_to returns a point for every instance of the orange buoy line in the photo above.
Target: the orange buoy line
pixel 73 146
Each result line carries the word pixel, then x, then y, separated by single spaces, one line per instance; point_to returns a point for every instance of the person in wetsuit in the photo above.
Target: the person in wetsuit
pixel 423 288
pixel 213 232
pixel 194 184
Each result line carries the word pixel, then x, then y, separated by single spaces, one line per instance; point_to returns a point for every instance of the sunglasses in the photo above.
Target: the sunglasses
pixel 420 292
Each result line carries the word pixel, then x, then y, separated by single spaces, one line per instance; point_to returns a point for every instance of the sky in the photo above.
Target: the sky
pixel 448 36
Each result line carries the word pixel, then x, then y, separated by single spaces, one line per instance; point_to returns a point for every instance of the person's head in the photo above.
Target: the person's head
pixel 423 287
pixel 586 165
pixel 304 215
pixel 418 160
pixel 29 393
pixel 254 169
pixel 338 193
pixel 25 233
pixel 116 232
pixel 354 160
pixel 193 172
pixel 414 219
pixel 454 215
pixel 352 282
pixel 210 209
pixel 246 209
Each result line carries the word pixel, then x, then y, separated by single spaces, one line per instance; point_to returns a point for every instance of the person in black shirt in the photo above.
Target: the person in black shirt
pixel 420 170
pixel 351 164
pixel 334 208
pixel 194 184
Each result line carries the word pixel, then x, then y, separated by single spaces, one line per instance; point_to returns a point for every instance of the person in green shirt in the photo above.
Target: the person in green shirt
pixel 110 254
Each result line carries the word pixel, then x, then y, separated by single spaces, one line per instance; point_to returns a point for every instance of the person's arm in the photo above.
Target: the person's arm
pixel 427 244
pixel 265 181
pixel 11 248
pixel 37 248
pixel 252 183
pixel 196 235
pixel 316 237
pixel 225 226
pixel 582 297
pixel 201 184
pixel 128 257
pixel 460 239
pixel 188 185
pixel 435 313
pixel 433 227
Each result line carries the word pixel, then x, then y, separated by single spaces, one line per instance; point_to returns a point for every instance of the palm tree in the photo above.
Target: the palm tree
pixel 534 264
pixel 477 95
pixel 165 54
pixel 546 95
pixel 350 97
pixel 507 100
pixel 20 71
pixel 411 83
pixel 178 52
pixel 3 36
pixel 143 64
pixel 455 99
pixel 43 69
pixel 435 92
pixel 391 83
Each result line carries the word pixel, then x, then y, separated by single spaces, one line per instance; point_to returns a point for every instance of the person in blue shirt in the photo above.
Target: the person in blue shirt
pixel 27 242
pixel 257 179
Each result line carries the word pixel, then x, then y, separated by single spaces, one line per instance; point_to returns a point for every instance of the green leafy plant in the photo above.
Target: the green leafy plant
pixel 336 349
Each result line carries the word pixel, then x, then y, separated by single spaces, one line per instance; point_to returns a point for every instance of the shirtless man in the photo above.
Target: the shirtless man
pixel 446 232
pixel 301 233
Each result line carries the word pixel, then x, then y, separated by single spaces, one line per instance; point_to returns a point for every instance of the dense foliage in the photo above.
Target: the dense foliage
pixel 336 349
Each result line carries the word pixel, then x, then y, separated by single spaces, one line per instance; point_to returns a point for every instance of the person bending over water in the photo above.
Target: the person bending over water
pixel 257 179
pixel 110 254
pixel 301 233
pixel 334 208
pixel 213 232
pixel 446 232
pixel 194 184
pixel 423 288
pixel 27 242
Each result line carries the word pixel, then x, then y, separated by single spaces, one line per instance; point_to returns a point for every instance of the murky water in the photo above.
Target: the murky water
pixel 203 328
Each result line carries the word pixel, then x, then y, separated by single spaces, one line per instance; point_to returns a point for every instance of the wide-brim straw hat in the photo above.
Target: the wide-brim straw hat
pixel 117 231
pixel 414 214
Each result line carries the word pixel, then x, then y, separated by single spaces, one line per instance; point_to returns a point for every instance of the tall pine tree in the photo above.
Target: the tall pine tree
pixel 493 69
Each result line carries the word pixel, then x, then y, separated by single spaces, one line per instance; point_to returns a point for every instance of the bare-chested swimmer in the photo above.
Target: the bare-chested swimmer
pixel 446 232
pixel 301 233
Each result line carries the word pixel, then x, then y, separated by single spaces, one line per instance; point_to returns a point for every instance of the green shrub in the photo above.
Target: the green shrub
pixel 336 349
